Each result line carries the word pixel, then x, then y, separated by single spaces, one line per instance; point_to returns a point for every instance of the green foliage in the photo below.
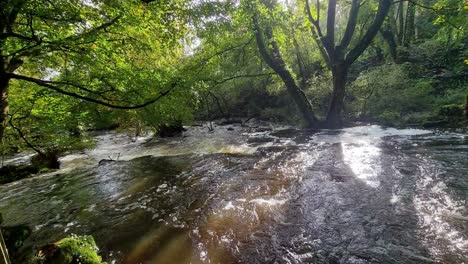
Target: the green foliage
pixel 389 117
pixel 318 90
pixel 451 110
pixel 389 92
pixel 203 57
pixel 115 52
pixel 405 94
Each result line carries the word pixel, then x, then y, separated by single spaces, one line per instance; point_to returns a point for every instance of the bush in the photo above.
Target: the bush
pixel 389 117
pixel 451 110
pixel 395 94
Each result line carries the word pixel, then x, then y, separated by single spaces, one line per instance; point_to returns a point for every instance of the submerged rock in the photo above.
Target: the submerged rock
pixel 106 161
pixel 71 250
pixel 230 121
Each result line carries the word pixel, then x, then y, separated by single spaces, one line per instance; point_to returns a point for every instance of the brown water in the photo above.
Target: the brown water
pixel 258 195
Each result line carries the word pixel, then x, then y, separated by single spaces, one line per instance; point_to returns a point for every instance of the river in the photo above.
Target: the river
pixel 258 195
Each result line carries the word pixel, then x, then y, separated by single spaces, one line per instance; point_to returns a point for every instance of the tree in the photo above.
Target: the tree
pixel 91 50
pixel 337 55
pixel 269 51
pixel 399 30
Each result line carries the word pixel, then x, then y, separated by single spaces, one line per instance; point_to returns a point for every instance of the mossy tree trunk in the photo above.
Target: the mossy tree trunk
pixel 271 54
pixel 340 73
pixel 392 45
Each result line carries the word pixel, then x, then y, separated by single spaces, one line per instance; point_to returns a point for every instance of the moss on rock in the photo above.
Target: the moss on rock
pixel 71 250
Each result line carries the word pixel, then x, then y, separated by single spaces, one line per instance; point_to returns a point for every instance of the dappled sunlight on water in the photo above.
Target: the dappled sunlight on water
pixel 363 157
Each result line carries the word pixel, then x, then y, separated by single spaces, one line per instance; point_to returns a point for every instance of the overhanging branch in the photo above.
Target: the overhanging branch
pixel 240 76
pixel 57 89
pixel 23 137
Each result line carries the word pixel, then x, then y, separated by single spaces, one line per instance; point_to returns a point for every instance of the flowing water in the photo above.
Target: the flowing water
pixel 258 195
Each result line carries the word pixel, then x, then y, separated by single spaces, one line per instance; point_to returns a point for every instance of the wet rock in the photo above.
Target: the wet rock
pixel 230 122
pixel 14 237
pixel 106 161
pixel 27 256
pixel 273 149
pixel 264 139
pixel 298 135
pixel 11 173
pixel 79 249
pixel 47 160
pixel 260 129
pixel 285 133
pixel 173 130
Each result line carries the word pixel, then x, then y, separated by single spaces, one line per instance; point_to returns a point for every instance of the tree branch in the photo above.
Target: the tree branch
pixel 46 84
pixel 317 35
pixel 423 6
pixel 16 35
pixel 353 54
pixel 216 83
pixel 22 136
pixel 330 38
pixel 351 26
pixel 435 10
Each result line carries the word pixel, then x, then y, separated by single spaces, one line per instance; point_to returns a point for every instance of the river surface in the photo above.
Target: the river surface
pixel 258 195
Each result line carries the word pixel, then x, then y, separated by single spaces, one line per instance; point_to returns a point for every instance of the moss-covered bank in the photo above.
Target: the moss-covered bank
pixel 70 250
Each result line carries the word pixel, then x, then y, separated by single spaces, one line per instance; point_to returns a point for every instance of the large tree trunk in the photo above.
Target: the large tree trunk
pixel 273 58
pixel 401 23
pixel 299 97
pixel 389 37
pixel 340 73
pixel 338 57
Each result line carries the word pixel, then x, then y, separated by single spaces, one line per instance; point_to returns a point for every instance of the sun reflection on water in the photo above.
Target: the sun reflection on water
pixel 363 157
